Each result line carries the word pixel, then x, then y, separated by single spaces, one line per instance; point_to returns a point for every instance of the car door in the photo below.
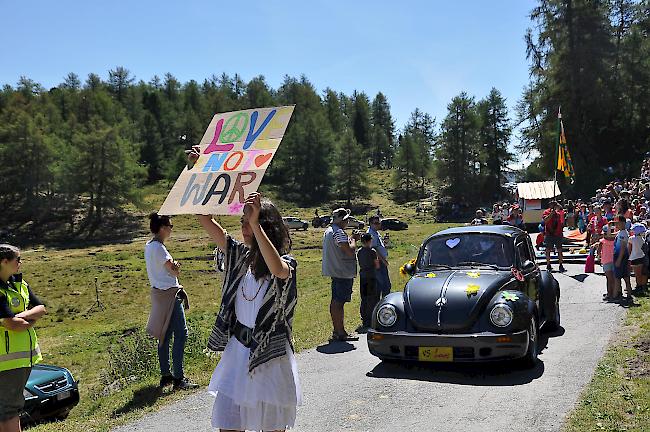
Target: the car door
pixel 530 284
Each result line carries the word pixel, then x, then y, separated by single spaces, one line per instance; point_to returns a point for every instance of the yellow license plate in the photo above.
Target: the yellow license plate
pixel 436 354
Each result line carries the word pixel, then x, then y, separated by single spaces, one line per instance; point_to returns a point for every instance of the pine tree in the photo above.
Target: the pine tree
pixel 458 151
pixel 407 167
pixel 421 130
pixel 99 151
pixel 579 60
pixel 350 181
pixel 258 94
pixel 494 136
pixel 361 119
pixel 119 80
pixel 334 109
pixel 302 163
pixel 383 132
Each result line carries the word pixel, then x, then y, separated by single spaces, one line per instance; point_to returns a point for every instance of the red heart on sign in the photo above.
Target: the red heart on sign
pixel 261 159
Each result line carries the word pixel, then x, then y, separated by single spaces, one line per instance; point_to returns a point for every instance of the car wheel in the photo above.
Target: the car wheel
pixel 530 359
pixel 554 323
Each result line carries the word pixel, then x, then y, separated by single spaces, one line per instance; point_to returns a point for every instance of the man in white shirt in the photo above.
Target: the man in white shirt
pixel 383 280
pixel 340 263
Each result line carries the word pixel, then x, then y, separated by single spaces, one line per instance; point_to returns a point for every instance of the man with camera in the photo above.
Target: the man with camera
pixel 553 224
pixel 340 264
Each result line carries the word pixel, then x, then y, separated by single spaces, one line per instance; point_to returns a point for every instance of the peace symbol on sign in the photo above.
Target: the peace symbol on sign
pixel 234 128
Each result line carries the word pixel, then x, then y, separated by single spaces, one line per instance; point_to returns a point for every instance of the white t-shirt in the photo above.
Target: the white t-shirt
pixel 156 255
pixel 340 236
pixel 636 242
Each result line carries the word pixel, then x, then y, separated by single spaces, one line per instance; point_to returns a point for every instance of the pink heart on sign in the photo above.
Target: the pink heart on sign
pixel 261 159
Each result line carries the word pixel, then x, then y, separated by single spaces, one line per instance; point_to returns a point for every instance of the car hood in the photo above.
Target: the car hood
pixel 42 373
pixel 451 300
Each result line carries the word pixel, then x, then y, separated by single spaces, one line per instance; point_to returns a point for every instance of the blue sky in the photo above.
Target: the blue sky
pixel 418 53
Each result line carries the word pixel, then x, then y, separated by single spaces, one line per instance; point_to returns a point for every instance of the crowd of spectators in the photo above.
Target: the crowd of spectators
pixel 615 222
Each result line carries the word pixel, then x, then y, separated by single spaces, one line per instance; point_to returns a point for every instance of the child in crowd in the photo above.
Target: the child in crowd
pixel 368 263
pixel 582 216
pixel 621 259
pixel 596 224
pixel 638 256
pixel 606 252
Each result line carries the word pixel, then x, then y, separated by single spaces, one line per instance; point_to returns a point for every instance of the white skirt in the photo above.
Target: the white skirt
pixel 226 414
pixel 264 400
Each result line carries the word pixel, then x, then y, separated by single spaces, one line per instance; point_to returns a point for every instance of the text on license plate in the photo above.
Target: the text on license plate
pixel 63 395
pixel 436 354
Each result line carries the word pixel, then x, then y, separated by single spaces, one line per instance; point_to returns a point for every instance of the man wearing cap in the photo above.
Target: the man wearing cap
pixel 383 279
pixel 479 219
pixel 340 264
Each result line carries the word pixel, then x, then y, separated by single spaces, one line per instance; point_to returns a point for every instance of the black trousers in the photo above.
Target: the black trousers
pixel 369 299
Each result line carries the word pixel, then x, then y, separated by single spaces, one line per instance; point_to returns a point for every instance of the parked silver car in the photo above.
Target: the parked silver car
pixel 295 223
pixel 355 223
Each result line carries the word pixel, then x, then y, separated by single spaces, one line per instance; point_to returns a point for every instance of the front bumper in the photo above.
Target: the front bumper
pixel 51 406
pixel 472 347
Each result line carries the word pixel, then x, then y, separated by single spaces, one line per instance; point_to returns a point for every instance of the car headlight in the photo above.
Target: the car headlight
pixel 27 394
pixel 387 315
pixel 501 315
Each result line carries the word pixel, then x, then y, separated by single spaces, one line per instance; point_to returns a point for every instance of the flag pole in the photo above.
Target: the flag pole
pixel 557 149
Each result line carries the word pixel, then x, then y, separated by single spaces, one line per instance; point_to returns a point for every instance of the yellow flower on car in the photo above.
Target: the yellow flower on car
pixel 402 269
pixel 472 289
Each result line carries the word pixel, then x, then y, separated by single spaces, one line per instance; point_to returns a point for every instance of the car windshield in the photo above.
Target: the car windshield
pixel 467 250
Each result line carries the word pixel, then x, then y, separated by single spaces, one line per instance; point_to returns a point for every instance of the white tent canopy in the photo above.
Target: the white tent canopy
pixel 538 190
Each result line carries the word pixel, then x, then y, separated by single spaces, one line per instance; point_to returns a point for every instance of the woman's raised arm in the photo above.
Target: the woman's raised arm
pixel 212 227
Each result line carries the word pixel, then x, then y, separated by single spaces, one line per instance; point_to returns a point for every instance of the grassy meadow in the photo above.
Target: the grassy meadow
pixel 107 350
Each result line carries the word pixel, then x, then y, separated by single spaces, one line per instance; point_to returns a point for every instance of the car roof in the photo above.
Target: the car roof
pixel 504 230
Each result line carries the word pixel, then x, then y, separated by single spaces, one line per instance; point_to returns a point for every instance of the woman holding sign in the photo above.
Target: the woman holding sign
pixel 256 381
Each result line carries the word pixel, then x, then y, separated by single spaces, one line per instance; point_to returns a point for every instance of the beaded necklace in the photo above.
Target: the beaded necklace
pixel 243 293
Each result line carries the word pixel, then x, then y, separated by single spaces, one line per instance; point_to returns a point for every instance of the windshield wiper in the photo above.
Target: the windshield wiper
pixel 438 265
pixel 478 264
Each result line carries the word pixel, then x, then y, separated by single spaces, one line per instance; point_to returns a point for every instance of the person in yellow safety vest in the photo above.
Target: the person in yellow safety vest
pixel 19 351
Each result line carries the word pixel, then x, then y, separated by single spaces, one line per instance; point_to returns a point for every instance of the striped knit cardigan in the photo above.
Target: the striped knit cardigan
pixel 274 322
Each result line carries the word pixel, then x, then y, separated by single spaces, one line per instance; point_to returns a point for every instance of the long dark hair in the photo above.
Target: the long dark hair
pixel 275 229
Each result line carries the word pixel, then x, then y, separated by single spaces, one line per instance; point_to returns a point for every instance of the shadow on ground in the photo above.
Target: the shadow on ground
pixel 501 373
pixel 335 347
pixel 141 398
pixel 580 277
pixel 475 374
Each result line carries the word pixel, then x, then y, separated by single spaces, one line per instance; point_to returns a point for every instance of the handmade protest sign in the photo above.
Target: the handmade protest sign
pixel 235 152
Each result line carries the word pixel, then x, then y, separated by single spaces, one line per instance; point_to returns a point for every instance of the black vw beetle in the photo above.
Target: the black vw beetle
pixel 475 294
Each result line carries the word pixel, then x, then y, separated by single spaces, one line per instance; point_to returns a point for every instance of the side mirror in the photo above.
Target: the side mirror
pixel 528 266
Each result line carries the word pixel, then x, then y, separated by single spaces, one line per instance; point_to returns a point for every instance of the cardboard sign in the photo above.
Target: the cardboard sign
pixel 236 150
